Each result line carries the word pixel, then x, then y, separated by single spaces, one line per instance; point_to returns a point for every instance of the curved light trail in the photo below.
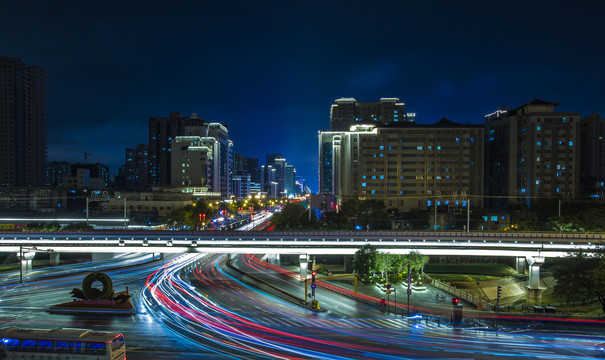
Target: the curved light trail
pixel 232 319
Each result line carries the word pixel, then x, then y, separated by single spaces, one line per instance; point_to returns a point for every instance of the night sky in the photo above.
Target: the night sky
pixel 271 69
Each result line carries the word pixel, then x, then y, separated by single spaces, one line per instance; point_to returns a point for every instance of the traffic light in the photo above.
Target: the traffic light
pixel 455 301
pixel 499 294
pixel 313 275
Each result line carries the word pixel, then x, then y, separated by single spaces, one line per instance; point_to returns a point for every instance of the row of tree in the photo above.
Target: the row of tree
pixel 367 214
pixel 581 276
pixel 373 215
pixel 369 261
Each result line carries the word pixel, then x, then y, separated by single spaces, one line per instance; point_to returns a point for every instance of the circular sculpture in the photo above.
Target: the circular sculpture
pixel 94 293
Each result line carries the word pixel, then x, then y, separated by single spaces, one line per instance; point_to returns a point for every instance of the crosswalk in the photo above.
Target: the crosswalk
pixel 368 323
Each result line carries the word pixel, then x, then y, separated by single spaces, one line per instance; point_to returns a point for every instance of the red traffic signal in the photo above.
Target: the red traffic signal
pixel 313 273
pixel 455 301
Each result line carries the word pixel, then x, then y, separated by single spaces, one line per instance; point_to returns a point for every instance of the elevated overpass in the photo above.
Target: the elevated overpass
pixel 526 247
pixel 326 243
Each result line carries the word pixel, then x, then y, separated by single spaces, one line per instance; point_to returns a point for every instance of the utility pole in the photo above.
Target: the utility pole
pixel 468 215
pixel 125 226
pixel 409 285
pixel 87 211
pixel 20 264
pixel 435 225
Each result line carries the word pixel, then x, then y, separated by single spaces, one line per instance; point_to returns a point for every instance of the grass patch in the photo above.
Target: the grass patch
pixel 459 278
pixel 494 270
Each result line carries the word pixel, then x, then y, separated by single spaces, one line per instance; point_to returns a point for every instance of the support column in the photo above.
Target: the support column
pixel 26 262
pixel 534 292
pixel 520 265
pixel 55 258
pixel 102 256
pixel 304 264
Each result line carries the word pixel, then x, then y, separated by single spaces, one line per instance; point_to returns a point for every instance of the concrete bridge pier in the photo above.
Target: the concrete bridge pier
pixel 304 264
pixel 520 265
pixel 102 256
pixel 534 292
pixel 55 258
pixel 26 259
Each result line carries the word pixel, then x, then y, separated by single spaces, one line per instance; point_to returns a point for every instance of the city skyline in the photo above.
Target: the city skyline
pixel 272 72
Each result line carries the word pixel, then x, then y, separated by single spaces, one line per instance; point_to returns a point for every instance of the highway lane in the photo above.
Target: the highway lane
pixel 239 321
pixel 225 318
pixel 118 260
pixel 24 305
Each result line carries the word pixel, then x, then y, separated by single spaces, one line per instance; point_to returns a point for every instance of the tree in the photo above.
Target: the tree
pixel 364 261
pixel 523 217
pixel 581 276
pixel 417 261
pixel 383 262
pixel 294 216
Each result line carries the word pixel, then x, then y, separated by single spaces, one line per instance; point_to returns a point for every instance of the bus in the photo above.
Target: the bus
pixel 61 344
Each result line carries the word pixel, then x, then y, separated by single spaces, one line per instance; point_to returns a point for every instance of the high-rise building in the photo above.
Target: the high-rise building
pixel 203 161
pixel 405 165
pixel 593 155
pixel 532 153
pixel 241 185
pixel 347 111
pixel 250 166
pixel 162 131
pixel 56 171
pixel 290 181
pixel 272 157
pixel 238 163
pixel 23 123
pixel 136 168
pixel 64 174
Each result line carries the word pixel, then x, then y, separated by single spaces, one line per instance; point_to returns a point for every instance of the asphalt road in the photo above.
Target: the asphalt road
pixel 223 317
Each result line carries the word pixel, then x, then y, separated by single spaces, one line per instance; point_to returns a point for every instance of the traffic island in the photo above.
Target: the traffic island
pixel 91 300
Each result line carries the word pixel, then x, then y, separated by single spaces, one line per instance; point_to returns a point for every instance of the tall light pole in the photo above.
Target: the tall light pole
pixel 435 225
pixel 468 215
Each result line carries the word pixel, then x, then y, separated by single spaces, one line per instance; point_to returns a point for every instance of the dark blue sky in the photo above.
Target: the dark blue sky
pixel 271 69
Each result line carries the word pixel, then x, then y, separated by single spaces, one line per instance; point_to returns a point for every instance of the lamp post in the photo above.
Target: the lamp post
pixel 468 215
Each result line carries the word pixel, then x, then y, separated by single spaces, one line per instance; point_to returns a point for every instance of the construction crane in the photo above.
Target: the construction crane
pixel 86 154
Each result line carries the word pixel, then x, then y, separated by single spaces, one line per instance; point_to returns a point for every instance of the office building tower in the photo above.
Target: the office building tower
pixel 162 131
pixel 203 161
pixel 271 158
pixel 241 185
pixel 23 150
pixel 136 168
pixel 290 180
pixel 593 156
pixel 56 171
pixel 405 165
pixel 532 153
pixel 347 111
pixel 238 163
pixel 250 166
